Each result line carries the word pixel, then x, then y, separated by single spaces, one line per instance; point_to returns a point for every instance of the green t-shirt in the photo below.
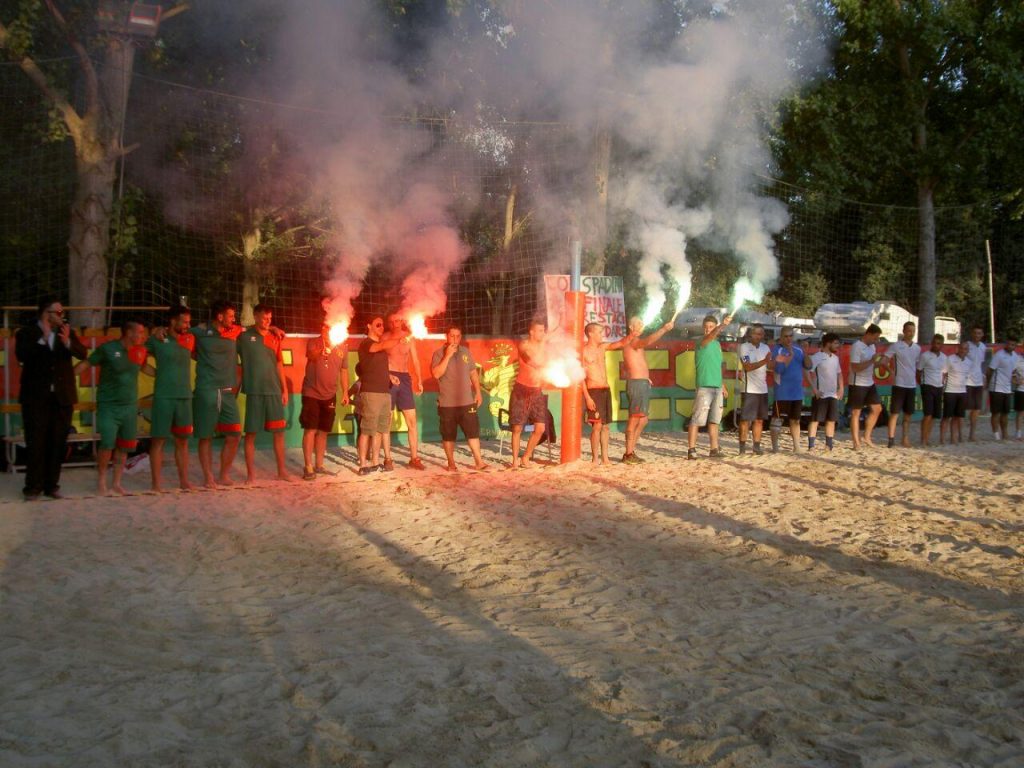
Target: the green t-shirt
pixel 119 374
pixel 709 364
pixel 173 366
pixel 216 359
pixel 259 356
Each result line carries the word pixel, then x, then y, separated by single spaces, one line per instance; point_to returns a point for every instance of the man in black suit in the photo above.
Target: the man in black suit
pixel 47 396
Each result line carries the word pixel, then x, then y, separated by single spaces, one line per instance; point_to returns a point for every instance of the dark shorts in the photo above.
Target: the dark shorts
pixel 453 418
pixel 602 398
pixel 755 406
pixel 318 414
pixel 859 396
pixel 825 409
pixel 789 409
pixel 401 396
pixel 639 393
pixel 1018 401
pixel 903 400
pixel 528 405
pixel 975 398
pixel 954 405
pixel 931 401
pixel 999 402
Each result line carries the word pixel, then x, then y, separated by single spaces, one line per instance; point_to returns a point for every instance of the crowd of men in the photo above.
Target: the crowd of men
pixel 952 388
pixel 230 358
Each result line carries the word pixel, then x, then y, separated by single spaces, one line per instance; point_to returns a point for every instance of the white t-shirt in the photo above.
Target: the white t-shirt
pixel 976 354
pixel 825 367
pixel 1002 365
pixel 958 371
pixel 932 365
pixel 1019 370
pixel 860 352
pixel 756 380
pixel 906 356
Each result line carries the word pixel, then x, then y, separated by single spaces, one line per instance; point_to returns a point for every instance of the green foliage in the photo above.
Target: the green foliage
pixel 124 238
pixel 802 296
pixel 918 94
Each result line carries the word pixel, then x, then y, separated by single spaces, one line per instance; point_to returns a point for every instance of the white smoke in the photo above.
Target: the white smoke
pixel 689 117
pixel 685 96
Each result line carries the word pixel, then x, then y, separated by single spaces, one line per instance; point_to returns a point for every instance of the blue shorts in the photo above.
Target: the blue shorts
pixel 401 396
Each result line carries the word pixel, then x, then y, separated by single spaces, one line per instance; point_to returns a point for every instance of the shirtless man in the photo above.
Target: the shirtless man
pixel 638 382
pixel 528 404
pixel 596 393
pixel 401 358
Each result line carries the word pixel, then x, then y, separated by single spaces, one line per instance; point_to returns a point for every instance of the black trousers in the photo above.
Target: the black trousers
pixel 46 424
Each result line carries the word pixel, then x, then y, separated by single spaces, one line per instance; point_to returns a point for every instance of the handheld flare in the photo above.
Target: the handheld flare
pixel 563 372
pixel 338 334
pixel 418 326
pixel 653 309
pixel 743 291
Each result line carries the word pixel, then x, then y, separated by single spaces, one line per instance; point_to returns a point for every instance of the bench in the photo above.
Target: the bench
pixel 13 442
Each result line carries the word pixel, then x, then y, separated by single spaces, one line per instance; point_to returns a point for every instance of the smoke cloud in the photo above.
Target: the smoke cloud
pixel 686 99
pixel 684 94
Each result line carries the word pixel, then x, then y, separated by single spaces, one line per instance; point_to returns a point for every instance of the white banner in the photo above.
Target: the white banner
pixel 604 303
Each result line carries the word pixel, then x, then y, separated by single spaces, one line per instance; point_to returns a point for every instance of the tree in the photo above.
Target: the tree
pixel 921 101
pixel 95 129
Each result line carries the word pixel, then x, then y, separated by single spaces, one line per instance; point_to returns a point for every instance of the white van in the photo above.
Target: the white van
pixel 950 329
pixel 851 321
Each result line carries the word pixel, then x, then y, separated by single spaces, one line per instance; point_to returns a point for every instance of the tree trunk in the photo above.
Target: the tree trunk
pixel 925 260
pixel 500 319
pixel 251 242
pixel 595 235
pixel 97 140
pixel 90 235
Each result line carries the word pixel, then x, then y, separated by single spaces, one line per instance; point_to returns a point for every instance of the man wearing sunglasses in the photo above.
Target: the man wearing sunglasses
pixel 47 396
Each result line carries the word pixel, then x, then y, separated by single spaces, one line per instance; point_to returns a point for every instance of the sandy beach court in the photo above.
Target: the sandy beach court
pixel 859 609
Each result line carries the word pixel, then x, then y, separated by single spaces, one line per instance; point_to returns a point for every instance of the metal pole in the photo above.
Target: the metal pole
pixel 7 375
pixel 991 295
pixel 572 396
pixel 575 276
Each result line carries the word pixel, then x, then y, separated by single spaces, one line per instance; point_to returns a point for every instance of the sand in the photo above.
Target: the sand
pixel 863 609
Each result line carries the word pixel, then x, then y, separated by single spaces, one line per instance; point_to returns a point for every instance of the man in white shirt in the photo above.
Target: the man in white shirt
pixel 862 390
pixel 903 357
pixel 1018 394
pixel 826 378
pixel 954 401
pixel 932 367
pixel 756 359
pixel 976 352
pixel 1000 385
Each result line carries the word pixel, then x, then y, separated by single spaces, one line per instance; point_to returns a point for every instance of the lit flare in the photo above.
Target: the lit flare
pixel 682 296
pixel 418 326
pixel 653 309
pixel 338 333
pixel 563 372
pixel 745 290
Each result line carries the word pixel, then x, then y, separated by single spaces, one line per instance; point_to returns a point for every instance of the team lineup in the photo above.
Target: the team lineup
pixel 230 359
